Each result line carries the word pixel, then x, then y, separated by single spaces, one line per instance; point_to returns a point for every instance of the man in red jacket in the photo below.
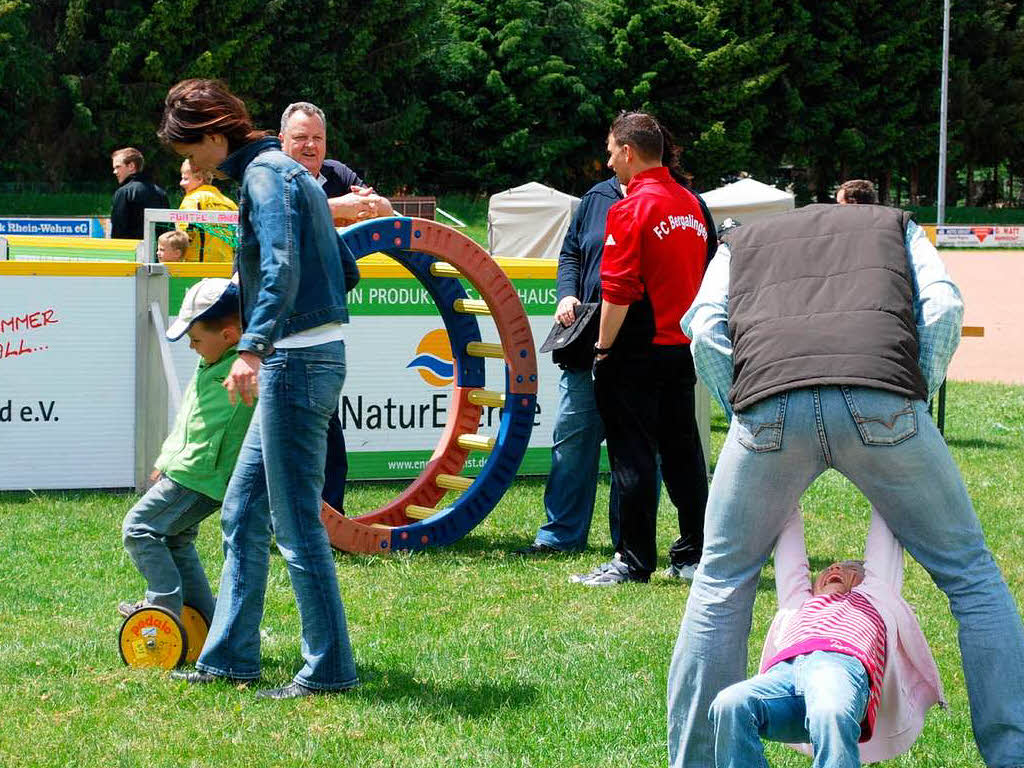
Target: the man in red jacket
pixel 655 254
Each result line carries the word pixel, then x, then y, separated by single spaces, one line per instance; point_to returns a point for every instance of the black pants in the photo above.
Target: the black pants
pixel 336 465
pixel 645 397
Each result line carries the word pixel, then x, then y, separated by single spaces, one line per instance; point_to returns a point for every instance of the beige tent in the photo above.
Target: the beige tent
pixel 529 221
pixel 747 200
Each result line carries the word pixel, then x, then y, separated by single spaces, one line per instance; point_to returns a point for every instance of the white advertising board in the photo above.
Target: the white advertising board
pixel 67 381
pixel 979 237
pixel 69 376
pixel 399 379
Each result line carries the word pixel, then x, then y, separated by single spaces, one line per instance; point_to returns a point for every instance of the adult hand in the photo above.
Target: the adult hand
pixel 243 379
pixel 358 206
pixel 565 313
pixel 349 208
pixel 382 204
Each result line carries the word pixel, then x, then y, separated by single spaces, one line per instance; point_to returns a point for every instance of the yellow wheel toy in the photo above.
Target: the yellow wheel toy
pixel 153 637
pixel 197 627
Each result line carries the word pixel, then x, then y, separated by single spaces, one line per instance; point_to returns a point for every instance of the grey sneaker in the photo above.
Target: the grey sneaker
pixel 610 574
pixel 681 572
pixel 579 578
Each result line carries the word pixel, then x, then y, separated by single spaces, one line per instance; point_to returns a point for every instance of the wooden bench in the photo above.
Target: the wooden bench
pixel 975 331
pixel 420 206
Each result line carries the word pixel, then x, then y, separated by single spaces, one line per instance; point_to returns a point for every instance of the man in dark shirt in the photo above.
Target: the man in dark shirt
pixel 304 137
pixel 136 193
pixel 576 443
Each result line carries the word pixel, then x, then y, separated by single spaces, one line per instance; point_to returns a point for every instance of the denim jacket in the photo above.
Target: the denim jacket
pixel 289 257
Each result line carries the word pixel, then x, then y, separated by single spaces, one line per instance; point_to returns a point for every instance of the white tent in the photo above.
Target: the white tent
pixel 747 200
pixel 529 221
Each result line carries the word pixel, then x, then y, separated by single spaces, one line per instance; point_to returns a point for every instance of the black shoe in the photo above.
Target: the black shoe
pixel 538 549
pixel 202 678
pixel 291 691
pixel 610 574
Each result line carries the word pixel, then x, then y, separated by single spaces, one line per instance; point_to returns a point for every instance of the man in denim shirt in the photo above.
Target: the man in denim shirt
pixel 292 282
pixel 824 332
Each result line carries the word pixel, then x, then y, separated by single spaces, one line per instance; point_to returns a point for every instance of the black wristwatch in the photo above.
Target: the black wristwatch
pixel 599 351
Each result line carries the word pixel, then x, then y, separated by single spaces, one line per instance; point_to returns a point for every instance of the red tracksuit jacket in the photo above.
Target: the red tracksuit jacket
pixel 655 242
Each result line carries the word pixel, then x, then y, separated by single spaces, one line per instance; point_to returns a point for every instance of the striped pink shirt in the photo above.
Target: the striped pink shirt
pixel 846 623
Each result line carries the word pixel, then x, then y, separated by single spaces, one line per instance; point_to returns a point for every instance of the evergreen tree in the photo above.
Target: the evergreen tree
pixel 513 99
pixel 703 77
pixel 24 65
pixel 439 95
pixel 112 63
pixel 986 93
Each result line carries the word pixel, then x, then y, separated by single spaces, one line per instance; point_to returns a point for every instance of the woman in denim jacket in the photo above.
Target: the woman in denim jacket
pixel 293 282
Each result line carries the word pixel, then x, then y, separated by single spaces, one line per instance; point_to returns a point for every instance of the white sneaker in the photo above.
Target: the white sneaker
pixel 681 572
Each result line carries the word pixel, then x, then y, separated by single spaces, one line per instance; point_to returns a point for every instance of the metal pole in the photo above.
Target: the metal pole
pixel 151 285
pixel 156 313
pixel 941 215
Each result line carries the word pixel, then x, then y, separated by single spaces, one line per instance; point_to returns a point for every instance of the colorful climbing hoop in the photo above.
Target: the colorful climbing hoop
pixel 440 257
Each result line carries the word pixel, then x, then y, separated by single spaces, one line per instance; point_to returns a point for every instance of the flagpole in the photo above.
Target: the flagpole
pixel 943 115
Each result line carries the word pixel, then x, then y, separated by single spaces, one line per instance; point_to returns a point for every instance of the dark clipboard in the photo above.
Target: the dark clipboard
pixel 573 346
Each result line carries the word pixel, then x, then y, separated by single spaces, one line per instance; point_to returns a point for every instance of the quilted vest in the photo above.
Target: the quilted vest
pixel 822 296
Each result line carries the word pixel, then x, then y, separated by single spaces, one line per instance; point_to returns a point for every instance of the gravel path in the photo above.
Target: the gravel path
pixel 992 284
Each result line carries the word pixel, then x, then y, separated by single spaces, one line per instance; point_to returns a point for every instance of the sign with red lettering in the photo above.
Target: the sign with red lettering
pixel 67 382
pixel 19 328
pixel 979 237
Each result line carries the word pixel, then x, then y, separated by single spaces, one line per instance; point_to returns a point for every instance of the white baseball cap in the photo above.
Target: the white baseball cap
pixel 208 299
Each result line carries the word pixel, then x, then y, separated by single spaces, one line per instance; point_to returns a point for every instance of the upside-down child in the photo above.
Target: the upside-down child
pixel 196 460
pixel 845 666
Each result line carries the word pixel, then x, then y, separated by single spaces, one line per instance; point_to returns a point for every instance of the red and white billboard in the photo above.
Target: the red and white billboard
pixel 975 236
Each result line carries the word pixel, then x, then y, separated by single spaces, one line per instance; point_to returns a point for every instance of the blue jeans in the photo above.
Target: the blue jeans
pixel 159 534
pixel 889 448
pixel 575 456
pixel 278 479
pixel 820 697
pixel 336 465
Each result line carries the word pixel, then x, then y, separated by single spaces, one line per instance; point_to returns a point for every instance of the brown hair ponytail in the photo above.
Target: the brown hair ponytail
pixel 197 108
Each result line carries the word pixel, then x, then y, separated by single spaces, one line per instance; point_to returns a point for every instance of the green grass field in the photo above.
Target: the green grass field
pixel 468 655
pixel 471 211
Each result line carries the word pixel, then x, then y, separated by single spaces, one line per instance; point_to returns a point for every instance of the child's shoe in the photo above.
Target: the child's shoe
pixel 126 609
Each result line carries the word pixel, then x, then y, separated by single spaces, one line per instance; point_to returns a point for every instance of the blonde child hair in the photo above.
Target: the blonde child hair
pixel 175 239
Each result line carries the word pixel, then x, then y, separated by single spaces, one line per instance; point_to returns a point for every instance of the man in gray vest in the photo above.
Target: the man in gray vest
pixel 824 332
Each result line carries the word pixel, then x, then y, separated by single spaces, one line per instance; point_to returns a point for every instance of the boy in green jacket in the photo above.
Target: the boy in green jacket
pixel 196 460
